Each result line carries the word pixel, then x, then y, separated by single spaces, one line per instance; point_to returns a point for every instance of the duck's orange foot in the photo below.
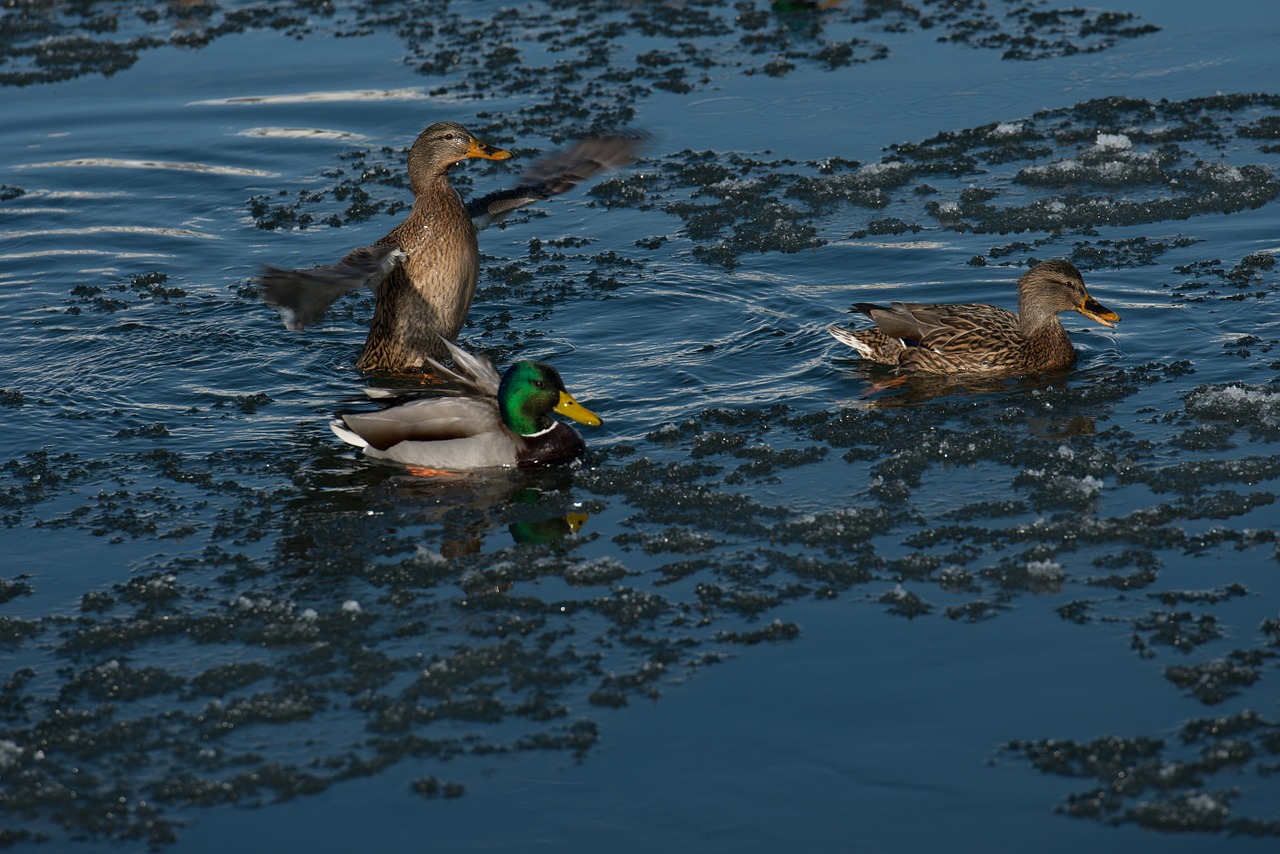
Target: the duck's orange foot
pixel 876 388
pixel 422 471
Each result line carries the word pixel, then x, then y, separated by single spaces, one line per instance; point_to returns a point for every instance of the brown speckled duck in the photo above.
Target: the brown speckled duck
pixel 423 273
pixel 981 339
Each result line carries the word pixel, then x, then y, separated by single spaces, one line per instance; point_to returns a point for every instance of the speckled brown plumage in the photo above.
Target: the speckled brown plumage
pixel 428 294
pixel 978 338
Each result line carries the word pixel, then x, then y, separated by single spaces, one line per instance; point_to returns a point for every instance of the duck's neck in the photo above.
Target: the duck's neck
pixel 521 422
pixel 1046 341
pixel 1033 316
pixel 427 183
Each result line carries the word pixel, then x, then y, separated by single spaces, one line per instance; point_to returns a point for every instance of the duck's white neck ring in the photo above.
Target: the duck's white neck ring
pixel 553 426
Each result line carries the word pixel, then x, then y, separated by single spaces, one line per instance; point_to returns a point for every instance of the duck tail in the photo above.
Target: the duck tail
pixel 346 434
pixel 849 337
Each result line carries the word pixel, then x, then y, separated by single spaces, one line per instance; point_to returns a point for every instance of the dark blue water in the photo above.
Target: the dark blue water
pixel 801 614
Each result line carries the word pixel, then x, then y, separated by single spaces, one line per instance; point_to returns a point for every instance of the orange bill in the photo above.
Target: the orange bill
pixel 1096 311
pixel 485 151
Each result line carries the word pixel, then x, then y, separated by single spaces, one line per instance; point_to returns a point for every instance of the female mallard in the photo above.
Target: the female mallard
pixel 423 273
pixel 493 423
pixel 977 338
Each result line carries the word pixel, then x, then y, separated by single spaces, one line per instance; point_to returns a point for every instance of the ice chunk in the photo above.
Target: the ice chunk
pixel 1113 140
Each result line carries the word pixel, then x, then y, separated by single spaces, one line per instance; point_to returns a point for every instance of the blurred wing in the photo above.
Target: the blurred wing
pixel 469 369
pixel 303 296
pixel 558 173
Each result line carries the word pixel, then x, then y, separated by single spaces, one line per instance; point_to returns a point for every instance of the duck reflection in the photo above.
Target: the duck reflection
pixel 887 391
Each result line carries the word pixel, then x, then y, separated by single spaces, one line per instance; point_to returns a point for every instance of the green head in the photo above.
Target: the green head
pixel 530 390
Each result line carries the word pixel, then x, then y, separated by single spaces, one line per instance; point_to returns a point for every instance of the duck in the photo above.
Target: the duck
pixel 489 421
pixel 423 273
pixel 975 338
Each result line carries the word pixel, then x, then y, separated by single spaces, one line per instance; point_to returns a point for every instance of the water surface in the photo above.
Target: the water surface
pixel 800 614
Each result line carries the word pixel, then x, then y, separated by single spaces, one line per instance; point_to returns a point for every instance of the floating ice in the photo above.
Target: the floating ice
pixel 1113 140
pixel 1206 803
pixel 1238 402
pixel 430 556
pixel 1045 570
pixel 9 752
pixel 1008 129
pixel 351 606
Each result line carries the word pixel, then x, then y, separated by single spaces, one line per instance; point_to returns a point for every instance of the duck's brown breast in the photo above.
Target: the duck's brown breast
pixel 430 293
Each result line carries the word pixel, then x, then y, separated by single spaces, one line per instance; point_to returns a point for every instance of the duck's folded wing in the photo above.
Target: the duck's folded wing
pixel 558 173
pixel 303 296
pixel 426 420
pixel 925 324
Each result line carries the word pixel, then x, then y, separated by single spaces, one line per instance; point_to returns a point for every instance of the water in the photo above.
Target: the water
pixel 799 615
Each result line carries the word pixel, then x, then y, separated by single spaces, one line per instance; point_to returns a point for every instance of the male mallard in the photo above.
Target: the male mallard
pixel 494 423
pixel 976 338
pixel 424 271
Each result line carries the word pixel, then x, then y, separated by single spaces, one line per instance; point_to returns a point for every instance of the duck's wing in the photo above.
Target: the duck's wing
pixel 937 326
pixel 431 419
pixel 303 296
pixel 558 173
pixel 469 370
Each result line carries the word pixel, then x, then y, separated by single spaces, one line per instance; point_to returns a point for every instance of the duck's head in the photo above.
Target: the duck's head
pixel 1053 286
pixel 529 391
pixel 443 144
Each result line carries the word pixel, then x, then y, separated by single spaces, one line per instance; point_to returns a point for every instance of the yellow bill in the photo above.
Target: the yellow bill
pixel 572 409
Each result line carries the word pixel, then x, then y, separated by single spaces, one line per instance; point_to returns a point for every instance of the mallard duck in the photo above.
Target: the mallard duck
pixel 493 422
pixel 976 338
pixel 423 273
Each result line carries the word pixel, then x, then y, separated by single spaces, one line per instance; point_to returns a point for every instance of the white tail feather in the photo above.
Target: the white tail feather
pixel 849 337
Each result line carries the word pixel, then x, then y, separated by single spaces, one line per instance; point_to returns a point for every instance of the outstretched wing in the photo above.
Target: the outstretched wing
pixel 558 173
pixel 303 296
pixel 469 369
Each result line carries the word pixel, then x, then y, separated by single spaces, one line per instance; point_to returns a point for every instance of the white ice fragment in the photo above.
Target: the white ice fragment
pixel 1007 129
pixel 879 168
pixel 1066 453
pixel 9 752
pixel 1206 803
pixel 1045 570
pixel 309 614
pixel 1090 484
pixel 429 556
pixel 351 606
pixel 1113 140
